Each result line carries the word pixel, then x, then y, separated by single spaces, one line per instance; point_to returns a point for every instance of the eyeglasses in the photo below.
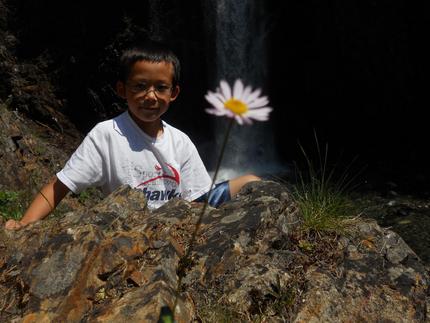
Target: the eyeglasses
pixel 161 90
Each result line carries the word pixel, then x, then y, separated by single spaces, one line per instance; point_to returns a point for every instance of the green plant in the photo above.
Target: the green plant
pixel 10 205
pixel 322 196
pixel 219 313
pixel 89 196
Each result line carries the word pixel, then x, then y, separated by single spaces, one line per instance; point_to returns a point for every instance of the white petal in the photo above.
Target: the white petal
pixel 259 111
pixel 218 94
pixel 216 112
pixel 258 103
pixel 254 95
pixel 214 100
pixel 251 97
pixel 228 113
pixel 259 114
pixel 220 97
pixel 225 90
pixel 261 117
pixel 238 89
pixel 238 119
pixel 246 93
pixel 247 120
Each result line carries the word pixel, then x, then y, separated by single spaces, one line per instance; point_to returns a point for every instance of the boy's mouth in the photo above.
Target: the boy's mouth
pixel 147 107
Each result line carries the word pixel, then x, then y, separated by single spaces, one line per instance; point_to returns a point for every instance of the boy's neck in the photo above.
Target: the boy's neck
pixel 153 129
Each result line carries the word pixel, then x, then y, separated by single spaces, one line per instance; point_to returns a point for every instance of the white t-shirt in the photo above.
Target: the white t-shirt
pixel 117 152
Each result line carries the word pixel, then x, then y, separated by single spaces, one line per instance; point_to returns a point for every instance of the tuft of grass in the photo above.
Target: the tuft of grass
pixel 11 206
pixel 323 197
pixel 89 196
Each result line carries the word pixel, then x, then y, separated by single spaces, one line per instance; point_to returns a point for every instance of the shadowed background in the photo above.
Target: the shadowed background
pixel 353 72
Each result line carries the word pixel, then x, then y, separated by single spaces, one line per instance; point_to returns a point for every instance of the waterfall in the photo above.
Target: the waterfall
pixel 237 35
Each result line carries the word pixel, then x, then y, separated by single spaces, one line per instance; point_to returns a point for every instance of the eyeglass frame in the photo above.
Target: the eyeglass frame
pixel 146 89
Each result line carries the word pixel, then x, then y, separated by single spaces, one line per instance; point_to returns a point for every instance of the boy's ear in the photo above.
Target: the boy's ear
pixel 120 89
pixel 175 93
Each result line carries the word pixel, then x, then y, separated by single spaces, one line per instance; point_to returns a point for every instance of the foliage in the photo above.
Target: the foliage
pixel 323 196
pixel 89 196
pixel 11 206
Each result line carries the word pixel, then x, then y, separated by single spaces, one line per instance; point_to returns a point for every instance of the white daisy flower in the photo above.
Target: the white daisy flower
pixel 243 104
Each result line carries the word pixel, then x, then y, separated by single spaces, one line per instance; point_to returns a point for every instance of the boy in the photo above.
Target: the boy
pixel 137 148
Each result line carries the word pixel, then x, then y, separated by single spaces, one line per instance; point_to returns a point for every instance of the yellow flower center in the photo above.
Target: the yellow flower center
pixel 236 106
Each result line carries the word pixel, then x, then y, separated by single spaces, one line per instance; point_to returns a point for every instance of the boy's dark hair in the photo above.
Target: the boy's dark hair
pixel 151 52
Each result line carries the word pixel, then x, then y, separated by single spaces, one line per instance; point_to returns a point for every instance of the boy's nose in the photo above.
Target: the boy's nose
pixel 150 93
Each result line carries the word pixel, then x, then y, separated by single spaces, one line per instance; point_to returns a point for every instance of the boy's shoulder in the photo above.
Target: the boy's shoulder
pixel 173 129
pixel 175 133
pixel 109 126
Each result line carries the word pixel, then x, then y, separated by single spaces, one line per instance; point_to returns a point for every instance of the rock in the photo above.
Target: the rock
pixel 93 266
pixel 30 153
pixel 381 282
pixel 120 262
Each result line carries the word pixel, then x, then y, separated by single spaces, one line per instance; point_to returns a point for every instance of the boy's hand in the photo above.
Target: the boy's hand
pixel 13 225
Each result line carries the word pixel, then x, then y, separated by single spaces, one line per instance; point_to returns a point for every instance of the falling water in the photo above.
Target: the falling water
pixel 236 42
pixel 238 29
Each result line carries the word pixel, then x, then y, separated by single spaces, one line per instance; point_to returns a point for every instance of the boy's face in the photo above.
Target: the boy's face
pixel 149 90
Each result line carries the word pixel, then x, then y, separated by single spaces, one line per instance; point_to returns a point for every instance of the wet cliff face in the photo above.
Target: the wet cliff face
pixel 351 72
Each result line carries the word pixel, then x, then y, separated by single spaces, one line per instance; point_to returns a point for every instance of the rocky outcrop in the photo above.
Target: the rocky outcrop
pixel 379 279
pixel 30 155
pixel 119 262
pixel 25 83
pixel 7 40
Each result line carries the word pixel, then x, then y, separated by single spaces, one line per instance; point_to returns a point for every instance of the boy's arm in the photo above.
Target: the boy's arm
pixel 44 203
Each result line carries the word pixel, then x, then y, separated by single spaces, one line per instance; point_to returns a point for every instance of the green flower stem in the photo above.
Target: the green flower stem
pixel 185 261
